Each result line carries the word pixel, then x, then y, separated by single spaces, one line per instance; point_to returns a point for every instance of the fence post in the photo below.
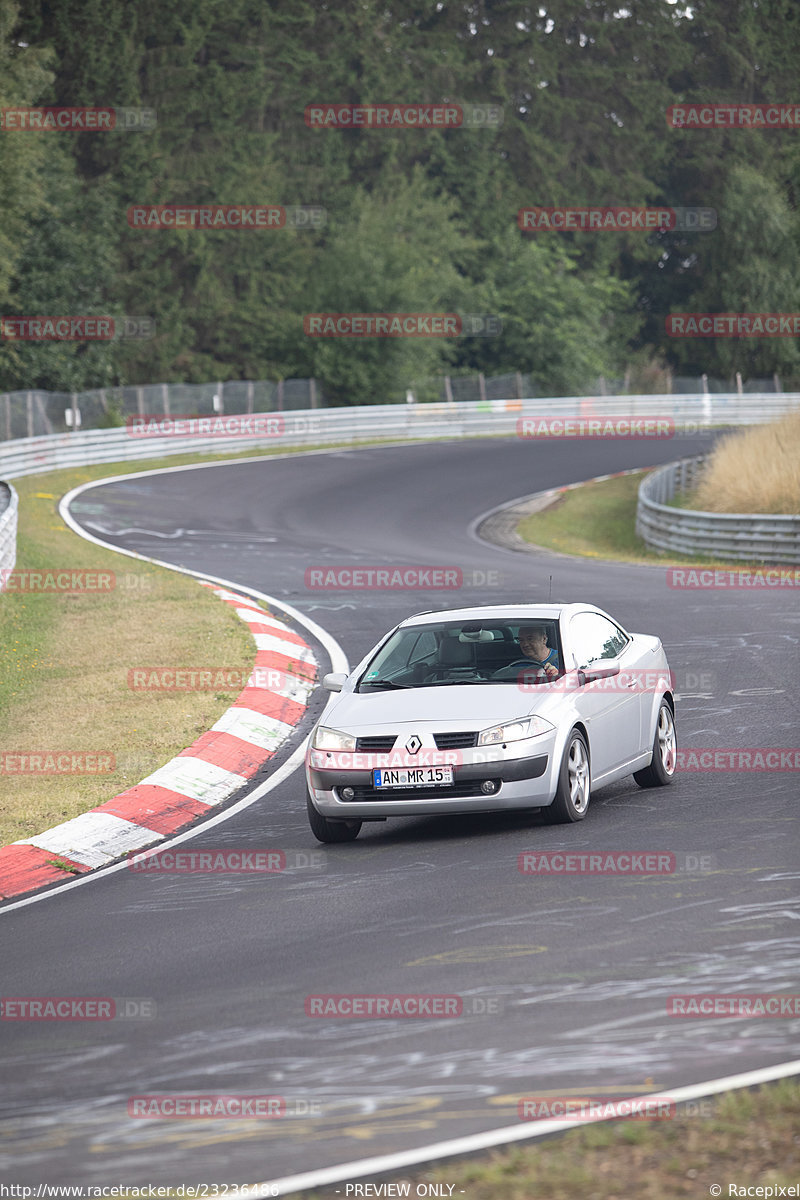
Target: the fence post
pixel 29 412
pixel 140 401
pixel 777 382
pixel 75 412
pixel 448 391
pixel 165 398
pixel 739 390
pixel 482 386
pixel 280 395
pixel 518 381
pixel 312 391
pixel 8 418
pixel 249 396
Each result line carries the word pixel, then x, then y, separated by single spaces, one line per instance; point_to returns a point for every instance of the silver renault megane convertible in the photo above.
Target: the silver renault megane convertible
pixel 519 706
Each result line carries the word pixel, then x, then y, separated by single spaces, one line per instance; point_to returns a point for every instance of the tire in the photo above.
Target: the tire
pixel 327 830
pixel 574 784
pixel 665 752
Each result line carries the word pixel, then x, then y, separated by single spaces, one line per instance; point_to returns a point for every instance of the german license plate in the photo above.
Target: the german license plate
pixel 406 777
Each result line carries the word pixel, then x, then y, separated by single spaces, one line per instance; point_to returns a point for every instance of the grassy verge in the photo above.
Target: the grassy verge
pixel 64 662
pixel 598 520
pixel 746 1138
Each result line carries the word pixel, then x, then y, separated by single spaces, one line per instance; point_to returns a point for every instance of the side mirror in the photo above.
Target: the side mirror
pixel 334 681
pixel 590 672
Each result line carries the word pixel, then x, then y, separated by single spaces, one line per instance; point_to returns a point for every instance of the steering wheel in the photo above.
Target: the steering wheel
pixel 512 670
pixel 444 672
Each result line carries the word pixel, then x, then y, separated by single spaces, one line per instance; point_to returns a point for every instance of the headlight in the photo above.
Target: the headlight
pixel 514 731
pixel 332 739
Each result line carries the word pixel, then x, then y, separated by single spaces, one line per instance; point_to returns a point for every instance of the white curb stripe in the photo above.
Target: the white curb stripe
pixel 93 839
pixel 298 690
pixel 257 616
pixel 265 641
pixel 265 732
pixel 194 777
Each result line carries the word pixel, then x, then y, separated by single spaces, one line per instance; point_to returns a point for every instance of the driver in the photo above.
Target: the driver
pixel 533 644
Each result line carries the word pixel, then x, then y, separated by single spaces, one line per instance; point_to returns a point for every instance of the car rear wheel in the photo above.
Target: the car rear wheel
pixel 327 830
pixel 665 752
pixel 574 784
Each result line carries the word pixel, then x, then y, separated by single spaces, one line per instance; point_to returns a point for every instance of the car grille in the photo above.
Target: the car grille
pixel 471 787
pixel 455 741
pixel 383 741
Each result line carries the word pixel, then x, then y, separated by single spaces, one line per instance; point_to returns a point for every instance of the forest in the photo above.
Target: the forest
pixel 563 103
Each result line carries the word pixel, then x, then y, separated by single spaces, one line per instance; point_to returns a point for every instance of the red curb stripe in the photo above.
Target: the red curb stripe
pixel 285 635
pixel 154 807
pixel 229 752
pixel 270 704
pixel 23 868
pixel 291 666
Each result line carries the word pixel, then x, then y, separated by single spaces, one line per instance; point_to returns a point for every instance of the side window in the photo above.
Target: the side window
pixel 595 637
pixel 425 647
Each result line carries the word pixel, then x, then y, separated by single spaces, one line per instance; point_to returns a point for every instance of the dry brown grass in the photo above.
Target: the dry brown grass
pixel 755 470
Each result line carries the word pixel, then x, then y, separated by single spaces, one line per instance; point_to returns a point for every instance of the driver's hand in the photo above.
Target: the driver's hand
pixel 551 671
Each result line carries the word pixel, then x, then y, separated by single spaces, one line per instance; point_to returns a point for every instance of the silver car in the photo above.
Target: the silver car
pixel 519 706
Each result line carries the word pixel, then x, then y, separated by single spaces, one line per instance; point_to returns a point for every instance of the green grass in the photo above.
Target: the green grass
pixel 747 1138
pixel 598 520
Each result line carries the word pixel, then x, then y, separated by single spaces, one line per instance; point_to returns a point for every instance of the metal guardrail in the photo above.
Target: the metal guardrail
pixel 401 422
pixel 26 456
pixel 9 504
pixel 745 537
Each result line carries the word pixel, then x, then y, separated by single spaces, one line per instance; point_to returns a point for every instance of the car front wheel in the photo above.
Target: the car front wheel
pixel 574 784
pixel 327 830
pixel 665 752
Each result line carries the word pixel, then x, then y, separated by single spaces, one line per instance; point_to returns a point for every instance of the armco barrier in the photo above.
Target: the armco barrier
pixel 400 422
pixel 9 505
pixel 747 537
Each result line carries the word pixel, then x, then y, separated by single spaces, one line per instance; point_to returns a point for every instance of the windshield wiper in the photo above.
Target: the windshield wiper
pixel 453 682
pixel 382 683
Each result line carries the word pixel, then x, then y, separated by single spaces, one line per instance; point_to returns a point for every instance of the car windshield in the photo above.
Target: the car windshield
pixel 450 653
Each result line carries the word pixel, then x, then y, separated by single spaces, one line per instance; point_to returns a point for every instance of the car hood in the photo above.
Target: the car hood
pixel 471 706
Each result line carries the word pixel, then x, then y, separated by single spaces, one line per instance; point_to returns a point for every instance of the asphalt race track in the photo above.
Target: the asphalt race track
pixel 567 976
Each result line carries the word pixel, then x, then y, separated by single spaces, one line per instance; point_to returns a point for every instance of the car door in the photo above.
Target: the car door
pixel 610 707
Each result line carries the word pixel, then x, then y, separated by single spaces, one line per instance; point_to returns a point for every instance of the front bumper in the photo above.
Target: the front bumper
pixel 524 780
